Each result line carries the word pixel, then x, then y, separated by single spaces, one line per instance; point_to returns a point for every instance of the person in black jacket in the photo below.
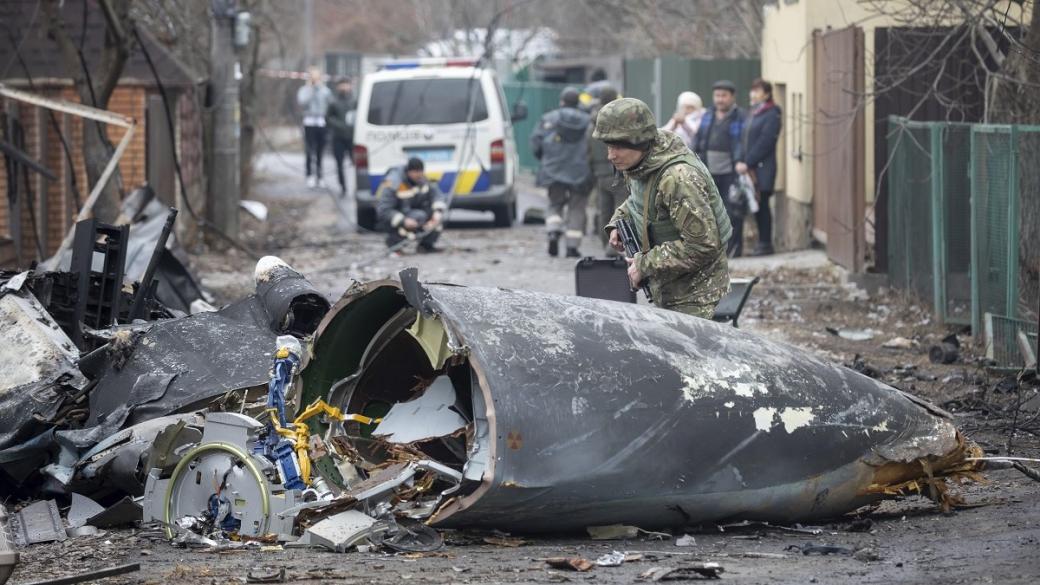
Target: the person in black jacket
pixel 410 206
pixel 761 132
pixel 718 145
pixel 340 119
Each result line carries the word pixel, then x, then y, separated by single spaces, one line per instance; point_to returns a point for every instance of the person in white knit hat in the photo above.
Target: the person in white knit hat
pixel 689 109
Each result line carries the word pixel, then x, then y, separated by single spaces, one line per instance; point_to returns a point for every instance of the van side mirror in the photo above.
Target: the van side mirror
pixel 519 111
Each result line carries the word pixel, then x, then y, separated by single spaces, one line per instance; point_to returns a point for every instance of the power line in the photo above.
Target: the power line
pixel 200 221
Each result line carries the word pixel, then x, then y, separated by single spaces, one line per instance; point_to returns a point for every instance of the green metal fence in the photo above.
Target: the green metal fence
pixel 674 75
pixel 929 250
pixel 540 98
pixel 963 213
pixel 1005 182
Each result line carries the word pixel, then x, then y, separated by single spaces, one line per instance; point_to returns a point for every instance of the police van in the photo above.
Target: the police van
pixel 451 114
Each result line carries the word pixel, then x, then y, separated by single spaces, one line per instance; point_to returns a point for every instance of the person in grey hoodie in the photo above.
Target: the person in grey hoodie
pixel 560 143
pixel 313 99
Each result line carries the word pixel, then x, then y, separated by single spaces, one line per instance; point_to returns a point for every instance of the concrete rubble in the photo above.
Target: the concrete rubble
pixel 404 408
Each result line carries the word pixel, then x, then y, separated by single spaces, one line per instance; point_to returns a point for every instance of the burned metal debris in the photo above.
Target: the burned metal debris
pixel 421 407
pixel 96 366
pixel 616 413
pixel 247 479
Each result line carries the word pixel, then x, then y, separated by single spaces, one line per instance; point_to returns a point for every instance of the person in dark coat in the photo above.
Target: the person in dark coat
pixel 761 133
pixel 410 206
pixel 718 145
pixel 560 143
pixel 340 119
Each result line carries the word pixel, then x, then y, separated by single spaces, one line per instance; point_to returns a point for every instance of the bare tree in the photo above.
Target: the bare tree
pixel 183 28
pixel 95 86
pixel 717 29
pixel 958 53
pixel 1016 88
pixel 971 56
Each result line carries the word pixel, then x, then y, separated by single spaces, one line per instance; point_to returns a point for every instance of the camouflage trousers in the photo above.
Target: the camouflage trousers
pixel 702 311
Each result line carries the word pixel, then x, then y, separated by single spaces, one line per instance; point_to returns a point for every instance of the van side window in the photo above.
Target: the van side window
pixel 426 101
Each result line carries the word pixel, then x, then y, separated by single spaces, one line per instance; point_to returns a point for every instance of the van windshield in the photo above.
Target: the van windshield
pixel 426 101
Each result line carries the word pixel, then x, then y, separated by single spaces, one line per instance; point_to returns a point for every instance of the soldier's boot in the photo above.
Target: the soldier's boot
pixel 554 243
pixel 573 253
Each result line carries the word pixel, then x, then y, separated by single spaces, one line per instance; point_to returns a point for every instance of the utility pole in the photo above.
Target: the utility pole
pixel 223 200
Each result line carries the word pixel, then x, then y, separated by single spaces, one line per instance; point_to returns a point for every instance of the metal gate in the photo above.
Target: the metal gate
pixel 838 146
pixel 540 98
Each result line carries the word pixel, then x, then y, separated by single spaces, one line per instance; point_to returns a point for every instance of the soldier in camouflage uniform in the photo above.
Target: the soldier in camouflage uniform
pixel 674 207
pixel 611 189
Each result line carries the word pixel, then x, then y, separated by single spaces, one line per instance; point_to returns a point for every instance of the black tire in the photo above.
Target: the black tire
pixel 366 218
pixel 505 214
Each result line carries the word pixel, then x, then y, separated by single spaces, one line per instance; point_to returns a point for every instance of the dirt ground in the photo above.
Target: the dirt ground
pixel 994 539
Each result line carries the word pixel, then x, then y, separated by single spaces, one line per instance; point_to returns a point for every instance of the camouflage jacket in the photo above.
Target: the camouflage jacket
pixel 691 270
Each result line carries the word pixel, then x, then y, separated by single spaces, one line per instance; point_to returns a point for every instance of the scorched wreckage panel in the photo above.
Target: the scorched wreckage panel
pixel 582 412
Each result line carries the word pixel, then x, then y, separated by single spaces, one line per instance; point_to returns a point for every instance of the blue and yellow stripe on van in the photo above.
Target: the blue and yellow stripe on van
pixel 469 181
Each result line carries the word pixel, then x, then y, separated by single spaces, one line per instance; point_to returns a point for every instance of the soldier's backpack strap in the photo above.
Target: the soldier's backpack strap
pixel 663 230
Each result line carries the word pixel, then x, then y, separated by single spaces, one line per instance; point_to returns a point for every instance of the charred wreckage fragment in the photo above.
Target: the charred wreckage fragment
pixel 561 413
pixel 411 407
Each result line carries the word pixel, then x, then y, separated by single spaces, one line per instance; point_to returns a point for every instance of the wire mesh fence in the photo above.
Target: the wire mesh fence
pixel 929 220
pixel 910 220
pixel 1005 338
pixel 956 222
pixel 964 217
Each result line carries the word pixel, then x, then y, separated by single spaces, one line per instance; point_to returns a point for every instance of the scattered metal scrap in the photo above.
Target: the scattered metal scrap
pixel 820 549
pixel 706 570
pixel 43 390
pixel 247 479
pixel 437 406
pixel 37 522
pixel 89 417
pixel 81 510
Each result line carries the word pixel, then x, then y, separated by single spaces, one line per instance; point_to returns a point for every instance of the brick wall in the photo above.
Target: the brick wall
pixel 29 118
pixel 56 211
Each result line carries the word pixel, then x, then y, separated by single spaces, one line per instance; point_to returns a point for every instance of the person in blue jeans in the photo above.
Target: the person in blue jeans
pixel 718 144
pixel 761 133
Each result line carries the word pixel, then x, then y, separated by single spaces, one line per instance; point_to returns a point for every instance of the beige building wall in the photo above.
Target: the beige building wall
pixel 787 61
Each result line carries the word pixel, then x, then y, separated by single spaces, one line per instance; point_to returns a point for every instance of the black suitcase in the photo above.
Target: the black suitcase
pixel 603 278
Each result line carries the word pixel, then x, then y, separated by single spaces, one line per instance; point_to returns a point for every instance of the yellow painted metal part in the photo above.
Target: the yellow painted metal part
pixel 430 334
pixel 299 433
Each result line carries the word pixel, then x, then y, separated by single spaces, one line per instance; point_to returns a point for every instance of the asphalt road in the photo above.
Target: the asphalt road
pixel 995 540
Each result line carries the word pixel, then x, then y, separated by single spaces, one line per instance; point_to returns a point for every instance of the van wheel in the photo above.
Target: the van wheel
pixel 505 214
pixel 366 218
